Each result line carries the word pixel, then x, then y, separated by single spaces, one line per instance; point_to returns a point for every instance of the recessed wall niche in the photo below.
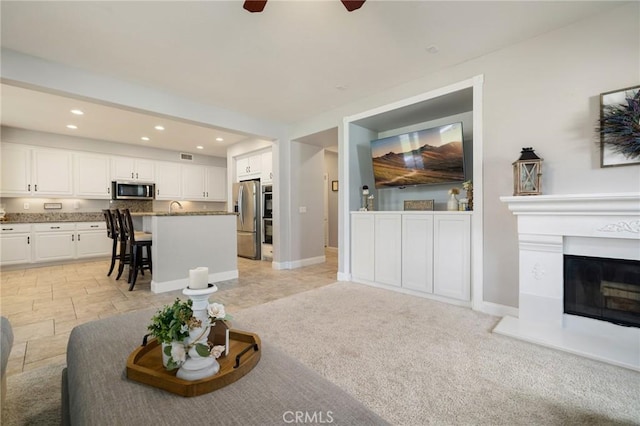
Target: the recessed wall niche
pixel 456 106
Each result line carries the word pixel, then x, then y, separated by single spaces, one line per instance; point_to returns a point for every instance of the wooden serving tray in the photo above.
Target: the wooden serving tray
pixel 144 365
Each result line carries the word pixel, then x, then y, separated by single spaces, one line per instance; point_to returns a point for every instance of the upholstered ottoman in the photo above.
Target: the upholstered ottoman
pixel 279 390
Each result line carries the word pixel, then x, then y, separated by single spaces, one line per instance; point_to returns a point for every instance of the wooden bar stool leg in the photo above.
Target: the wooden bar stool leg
pixel 114 249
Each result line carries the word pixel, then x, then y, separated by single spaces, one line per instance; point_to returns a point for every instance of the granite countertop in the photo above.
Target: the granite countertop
pixel 181 213
pixel 53 217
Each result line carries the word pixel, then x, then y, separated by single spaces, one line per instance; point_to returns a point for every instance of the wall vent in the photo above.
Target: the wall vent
pixel 186 157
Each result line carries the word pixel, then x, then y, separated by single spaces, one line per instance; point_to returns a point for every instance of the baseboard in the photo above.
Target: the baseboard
pixel 299 263
pixel 179 284
pixel 331 249
pixel 498 310
pixel 343 276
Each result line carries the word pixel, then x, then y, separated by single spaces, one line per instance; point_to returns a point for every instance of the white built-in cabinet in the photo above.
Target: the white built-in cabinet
pixel 168 180
pixel 49 242
pixel 59 173
pixel 30 171
pixel 204 183
pixel 15 244
pixel 266 167
pixel 132 169
pixel 249 167
pixel 425 252
pixel 92 176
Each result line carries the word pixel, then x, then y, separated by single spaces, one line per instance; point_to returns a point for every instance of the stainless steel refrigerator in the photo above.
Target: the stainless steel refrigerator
pixel 246 202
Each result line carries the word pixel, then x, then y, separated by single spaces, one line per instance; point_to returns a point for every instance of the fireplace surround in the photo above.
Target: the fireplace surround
pixel 552 227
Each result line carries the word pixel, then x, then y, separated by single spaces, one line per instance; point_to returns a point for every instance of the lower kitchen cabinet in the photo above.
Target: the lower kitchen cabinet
pixel 15 244
pixel 49 242
pixel 425 252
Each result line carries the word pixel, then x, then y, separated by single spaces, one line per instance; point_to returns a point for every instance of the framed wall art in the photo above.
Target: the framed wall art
pixel 619 127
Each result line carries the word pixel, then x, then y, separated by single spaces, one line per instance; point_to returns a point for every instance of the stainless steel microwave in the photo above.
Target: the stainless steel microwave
pixel 132 190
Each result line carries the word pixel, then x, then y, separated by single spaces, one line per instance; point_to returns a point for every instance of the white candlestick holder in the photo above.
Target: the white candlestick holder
pixel 197 367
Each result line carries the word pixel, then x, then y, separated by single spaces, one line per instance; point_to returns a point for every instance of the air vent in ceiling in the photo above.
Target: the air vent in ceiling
pixel 186 157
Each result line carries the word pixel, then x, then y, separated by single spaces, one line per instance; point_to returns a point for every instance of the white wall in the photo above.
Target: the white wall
pixel 307 192
pixel 544 93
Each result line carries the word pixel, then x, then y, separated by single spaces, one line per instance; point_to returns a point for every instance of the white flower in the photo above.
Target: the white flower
pixel 184 328
pixel 216 310
pixel 178 352
pixel 217 350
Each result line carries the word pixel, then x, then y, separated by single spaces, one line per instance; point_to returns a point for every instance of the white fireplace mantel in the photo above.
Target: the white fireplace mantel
pixel 550 226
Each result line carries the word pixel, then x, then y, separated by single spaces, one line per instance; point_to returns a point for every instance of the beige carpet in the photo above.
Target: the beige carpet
pixel 415 361
pixel 411 360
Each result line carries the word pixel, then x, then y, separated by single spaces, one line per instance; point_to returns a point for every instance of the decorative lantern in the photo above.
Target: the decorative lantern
pixel 526 173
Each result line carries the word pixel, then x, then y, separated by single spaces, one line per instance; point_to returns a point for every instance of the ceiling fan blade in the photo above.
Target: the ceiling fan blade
pixel 257 5
pixel 352 5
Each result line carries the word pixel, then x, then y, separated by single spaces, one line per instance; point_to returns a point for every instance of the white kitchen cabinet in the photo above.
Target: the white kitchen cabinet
pixel 417 252
pixel 34 171
pixel 423 252
pixel 204 183
pixel 92 240
pixel 15 244
pixel 54 241
pixel 194 182
pixel 216 187
pixel 362 246
pixel 249 167
pixel 388 249
pixel 451 259
pixel 92 176
pixel 266 167
pixel 168 180
pixel 16 170
pixel 132 169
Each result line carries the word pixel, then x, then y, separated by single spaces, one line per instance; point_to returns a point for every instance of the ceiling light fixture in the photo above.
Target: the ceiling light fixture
pixel 72 126
pixel 200 147
pixel 145 138
pixel 220 139
pixel 77 112
pixel 432 49
pixel 158 127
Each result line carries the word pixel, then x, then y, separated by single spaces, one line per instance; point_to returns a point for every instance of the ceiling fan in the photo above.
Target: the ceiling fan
pixel 258 5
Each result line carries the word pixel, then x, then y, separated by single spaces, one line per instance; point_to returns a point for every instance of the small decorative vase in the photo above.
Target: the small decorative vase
pixel 452 204
pixel 470 198
pixel 165 357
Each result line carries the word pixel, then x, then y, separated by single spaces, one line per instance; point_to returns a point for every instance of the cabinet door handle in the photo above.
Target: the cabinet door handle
pixel 28 240
pixel 94 226
pixel 54 227
pixel 36 187
pixel 207 195
pixel 78 237
pixel 136 176
pixel 108 190
pixel 158 192
pixel 203 193
pixel 73 237
pixel 7 229
pixel 29 187
pixel 131 175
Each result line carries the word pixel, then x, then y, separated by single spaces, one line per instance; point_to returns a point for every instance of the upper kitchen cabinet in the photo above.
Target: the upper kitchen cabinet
pixel 204 183
pixel 168 180
pixel 132 169
pixel 36 171
pixel 216 184
pixel 266 166
pixel 92 176
pixel 249 167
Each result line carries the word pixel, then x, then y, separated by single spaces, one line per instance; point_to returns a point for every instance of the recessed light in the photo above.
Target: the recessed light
pixel 158 127
pixel 342 88
pixel 72 126
pixel 77 112
pixel 200 147
pixel 144 138
pixel 220 139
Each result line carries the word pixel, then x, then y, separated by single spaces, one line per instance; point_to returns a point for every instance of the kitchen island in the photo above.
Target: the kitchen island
pixel 187 240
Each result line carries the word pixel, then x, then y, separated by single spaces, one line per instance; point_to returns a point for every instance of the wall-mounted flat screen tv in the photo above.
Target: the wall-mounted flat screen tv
pixel 424 157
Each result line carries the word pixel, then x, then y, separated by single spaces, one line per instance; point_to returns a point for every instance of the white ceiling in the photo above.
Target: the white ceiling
pixel 295 60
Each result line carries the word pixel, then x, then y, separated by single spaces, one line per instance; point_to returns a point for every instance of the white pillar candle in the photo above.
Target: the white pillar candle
pixel 199 277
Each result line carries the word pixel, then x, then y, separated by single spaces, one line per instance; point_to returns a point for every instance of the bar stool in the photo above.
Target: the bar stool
pixel 138 241
pixel 124 255
pixel 112 233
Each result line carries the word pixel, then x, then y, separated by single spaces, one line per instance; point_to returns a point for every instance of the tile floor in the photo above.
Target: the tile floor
pixel 45 303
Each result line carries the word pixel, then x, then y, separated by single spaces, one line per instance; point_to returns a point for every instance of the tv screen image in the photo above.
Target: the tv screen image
pixel 429 156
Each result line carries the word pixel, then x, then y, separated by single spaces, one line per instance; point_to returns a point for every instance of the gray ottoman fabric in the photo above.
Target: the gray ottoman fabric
pixel 279 390
pixel 6 343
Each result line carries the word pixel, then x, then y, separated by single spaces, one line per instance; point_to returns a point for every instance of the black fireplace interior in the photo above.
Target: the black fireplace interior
pixel 605 289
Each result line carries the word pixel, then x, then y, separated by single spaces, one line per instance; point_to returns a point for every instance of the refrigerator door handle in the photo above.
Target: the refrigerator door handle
pixel 240 203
